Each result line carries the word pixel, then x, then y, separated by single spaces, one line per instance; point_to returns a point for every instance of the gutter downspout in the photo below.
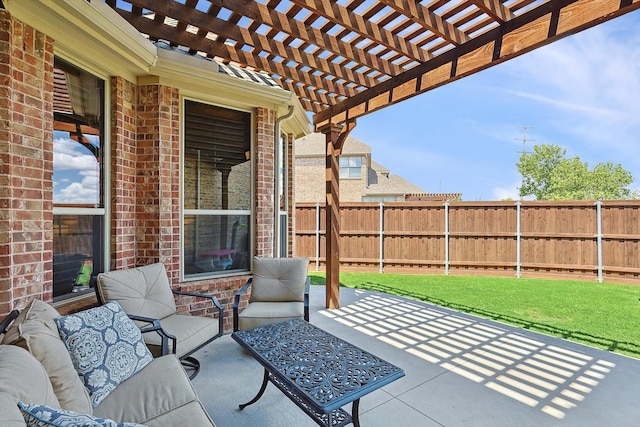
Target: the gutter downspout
pixel 276 181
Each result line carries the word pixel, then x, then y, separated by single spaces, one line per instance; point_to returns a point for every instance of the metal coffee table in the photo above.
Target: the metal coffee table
pixel 316 370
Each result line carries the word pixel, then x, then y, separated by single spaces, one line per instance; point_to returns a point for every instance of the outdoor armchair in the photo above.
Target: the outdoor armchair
pixel 279 291
pixel 145 294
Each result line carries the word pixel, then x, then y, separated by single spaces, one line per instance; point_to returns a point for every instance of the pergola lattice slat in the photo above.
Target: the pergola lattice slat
pixel 344 60
pixel 537 27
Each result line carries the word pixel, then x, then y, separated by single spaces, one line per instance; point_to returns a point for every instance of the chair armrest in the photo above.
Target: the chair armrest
pixel 155 327
pixel 215 302
pixel 7 321
pixel 307 285
pixel 236 302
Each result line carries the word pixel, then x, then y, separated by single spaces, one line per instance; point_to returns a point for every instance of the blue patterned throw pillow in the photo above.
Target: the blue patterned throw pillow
pixel 44 416
pixel 106 347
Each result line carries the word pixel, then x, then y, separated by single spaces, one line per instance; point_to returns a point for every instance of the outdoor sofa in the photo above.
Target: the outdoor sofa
pixel 36 367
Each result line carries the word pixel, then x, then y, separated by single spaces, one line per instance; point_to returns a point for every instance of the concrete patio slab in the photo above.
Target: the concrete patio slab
pixel 461 370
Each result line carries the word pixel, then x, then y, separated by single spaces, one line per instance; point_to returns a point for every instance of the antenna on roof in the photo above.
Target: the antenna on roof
pixel 524 139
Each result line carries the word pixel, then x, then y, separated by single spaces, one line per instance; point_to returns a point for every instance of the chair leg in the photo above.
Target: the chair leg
pixel 191 365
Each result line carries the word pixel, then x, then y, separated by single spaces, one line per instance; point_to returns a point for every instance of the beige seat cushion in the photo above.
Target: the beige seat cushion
pixel 23 378
pixel 190 332
pixel 264 313
pixel 160 387
pixel 144 291
pixel 279 279
pixel 35 331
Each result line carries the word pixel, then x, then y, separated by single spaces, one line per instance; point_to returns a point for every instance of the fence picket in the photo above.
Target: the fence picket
pixel 558 239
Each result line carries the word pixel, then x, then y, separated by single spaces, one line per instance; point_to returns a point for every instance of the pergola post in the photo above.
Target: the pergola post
pixel 335 136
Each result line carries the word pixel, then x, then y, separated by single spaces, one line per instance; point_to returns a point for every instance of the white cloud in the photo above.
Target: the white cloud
pixel 69 155
pixel 76 173
pixel 592 82
pixel 78 192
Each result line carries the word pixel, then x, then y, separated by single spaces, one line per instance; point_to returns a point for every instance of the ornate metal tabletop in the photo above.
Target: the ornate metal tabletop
pixel 318 371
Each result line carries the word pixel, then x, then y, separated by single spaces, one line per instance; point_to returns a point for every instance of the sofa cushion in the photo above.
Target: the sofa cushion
pixel 35 330
pixel 156 391
pixel 279 279
pixel 36 415
pixel 106 347
pixel 144 290
pixel 22 377
pixel 42 340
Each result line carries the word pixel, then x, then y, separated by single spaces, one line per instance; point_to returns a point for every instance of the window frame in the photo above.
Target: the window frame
pixel 349 169
pixel 104 208
pixel 184 212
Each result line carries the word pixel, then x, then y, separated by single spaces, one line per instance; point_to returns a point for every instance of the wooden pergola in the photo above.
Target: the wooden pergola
pixel 347 58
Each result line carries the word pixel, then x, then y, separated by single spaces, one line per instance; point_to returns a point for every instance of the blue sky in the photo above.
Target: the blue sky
pixel 581 92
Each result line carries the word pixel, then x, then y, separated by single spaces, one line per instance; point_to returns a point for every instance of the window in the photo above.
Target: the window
pixel 217 181
pixel 78 183
pixel 283 197
pixel 350 167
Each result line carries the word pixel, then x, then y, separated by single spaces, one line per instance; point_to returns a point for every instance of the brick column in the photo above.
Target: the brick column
pixel 265 191
pixel 290 191
pixel 26 164
pixel 158 178
pixel 123 173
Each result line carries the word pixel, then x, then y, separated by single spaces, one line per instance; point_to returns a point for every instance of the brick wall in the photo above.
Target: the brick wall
pixel 123 173
pixel 264 163
pixel 290 190
pixel 26 156
pixel 144 174
pixel 310 182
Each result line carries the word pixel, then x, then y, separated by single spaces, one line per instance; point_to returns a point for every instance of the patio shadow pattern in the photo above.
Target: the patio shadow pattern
pixel 576 336
pixel 525 369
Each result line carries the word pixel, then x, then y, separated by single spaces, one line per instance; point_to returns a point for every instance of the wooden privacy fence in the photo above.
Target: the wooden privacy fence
pixel 559 239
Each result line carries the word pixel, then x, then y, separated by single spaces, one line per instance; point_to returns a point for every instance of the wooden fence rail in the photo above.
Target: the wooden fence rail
pixel 559 239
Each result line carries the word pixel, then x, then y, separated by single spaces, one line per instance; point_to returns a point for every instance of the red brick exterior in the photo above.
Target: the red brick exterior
pixel 144 174
pixel 290 191
pixel 265 190
pixel 26 159
pixel 123 173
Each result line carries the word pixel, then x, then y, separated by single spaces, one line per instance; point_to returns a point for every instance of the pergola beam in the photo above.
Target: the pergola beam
pixel 335 136
pixel 428 20
pixel 309 34
pixel 216 49
pixel 348 19
pixel 538 27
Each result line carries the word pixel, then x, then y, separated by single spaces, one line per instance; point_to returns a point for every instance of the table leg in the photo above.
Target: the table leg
pixel 355 414
pixel 259 395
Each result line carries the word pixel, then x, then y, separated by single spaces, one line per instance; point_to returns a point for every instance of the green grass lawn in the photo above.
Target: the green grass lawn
pixel 602 315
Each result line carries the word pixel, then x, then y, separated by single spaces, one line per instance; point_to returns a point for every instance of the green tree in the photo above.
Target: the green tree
pixel 547 174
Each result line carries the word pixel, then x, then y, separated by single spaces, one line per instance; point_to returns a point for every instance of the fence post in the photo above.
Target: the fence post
pixel 599 238
pixel 518 233
pixel 381 237
pixel 317 236
pixel 446 238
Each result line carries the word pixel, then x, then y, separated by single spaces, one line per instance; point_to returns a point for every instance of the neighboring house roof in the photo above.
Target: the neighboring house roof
pixel 380 181
pixel 434 197
pixel 313 145
pixel 387 183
